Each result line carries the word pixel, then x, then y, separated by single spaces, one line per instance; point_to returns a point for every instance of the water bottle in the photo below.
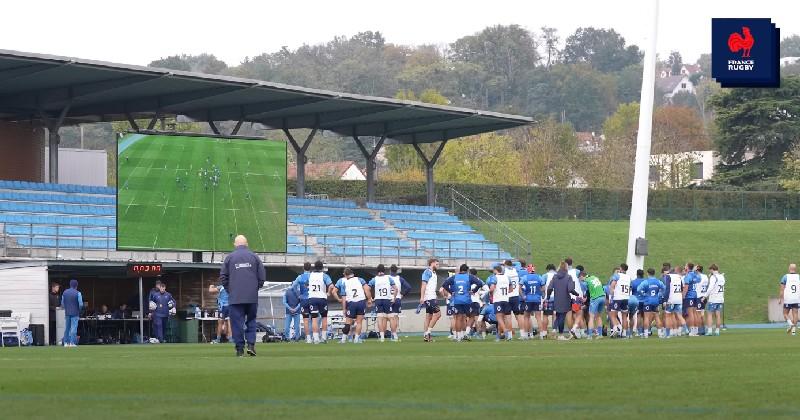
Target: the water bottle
pixel 197 312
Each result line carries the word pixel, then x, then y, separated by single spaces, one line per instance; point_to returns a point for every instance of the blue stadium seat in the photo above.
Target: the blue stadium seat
pixel 320 211
pixel 404 207
pixel 372 233
pixel 433 217
pixel 294 201
pixel 335 221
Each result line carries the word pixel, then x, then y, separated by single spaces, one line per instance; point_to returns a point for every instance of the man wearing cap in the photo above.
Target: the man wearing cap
pixel 72 302
pixel 242 274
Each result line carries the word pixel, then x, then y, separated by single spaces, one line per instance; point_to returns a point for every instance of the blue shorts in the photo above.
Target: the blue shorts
pixel 672 308
pixel 383 306
pixel 619 305
pixel 514 303
pixel 700 305
pixel 597 305
pixel 641 306
pixel 396 308
pixel 317 307
pixel 531 307
pixel 449 310
pixel 791 305
pixel 431 306
pixel 474 309
pixel 304 307
pixel 690 303
pixel 355 309
pixel 461 308
pixel 715 307
pixel 502 308
pixel 225 312
pixel 649 308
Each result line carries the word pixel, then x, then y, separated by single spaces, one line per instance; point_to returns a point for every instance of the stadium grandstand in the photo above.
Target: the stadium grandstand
pixel 52 231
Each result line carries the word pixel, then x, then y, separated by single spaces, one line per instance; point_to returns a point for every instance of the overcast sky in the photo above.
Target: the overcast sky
pixel 137 32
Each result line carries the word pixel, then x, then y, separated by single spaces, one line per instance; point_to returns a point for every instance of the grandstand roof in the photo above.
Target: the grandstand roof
pixel 100 91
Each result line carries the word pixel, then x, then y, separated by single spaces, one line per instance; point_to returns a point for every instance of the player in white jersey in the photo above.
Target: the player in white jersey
pixel 790 298
pixel 385 292
pixel 514 299
pixel 500 286
pixel 673 310
pixel 355 302
pixel 714 299
pixel 319 287
pixel 402 287
pixel 427 297
pixel 620 292
pixel 702 291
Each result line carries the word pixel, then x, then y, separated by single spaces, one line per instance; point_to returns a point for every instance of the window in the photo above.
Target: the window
pixel 683 85
pixel 655 175
pixel 697 170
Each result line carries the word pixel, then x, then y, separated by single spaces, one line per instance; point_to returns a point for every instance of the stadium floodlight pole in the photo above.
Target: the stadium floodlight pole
pixel 641 174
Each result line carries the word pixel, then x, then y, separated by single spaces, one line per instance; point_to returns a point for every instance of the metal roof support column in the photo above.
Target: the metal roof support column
pixel 429 164
pixel 300 186
pixel 54 138
pixel 371 165
pixel 213 127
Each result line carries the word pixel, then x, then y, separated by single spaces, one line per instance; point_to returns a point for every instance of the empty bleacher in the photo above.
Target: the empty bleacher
pixel 57 216
pixel 61 216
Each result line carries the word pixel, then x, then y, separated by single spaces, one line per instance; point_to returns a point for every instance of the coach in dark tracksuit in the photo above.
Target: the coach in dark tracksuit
pixel 242 274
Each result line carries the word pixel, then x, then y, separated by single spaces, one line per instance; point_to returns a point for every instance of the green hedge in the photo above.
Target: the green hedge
pixel 522 203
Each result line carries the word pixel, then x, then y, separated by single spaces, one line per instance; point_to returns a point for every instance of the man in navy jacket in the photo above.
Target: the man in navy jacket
pixel 242 274
pixel 164 307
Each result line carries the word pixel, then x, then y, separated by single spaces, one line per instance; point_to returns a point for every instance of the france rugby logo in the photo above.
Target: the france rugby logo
pixel 744 52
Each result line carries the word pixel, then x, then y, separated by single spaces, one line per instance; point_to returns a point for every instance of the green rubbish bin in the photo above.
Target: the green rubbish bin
pixel 188 330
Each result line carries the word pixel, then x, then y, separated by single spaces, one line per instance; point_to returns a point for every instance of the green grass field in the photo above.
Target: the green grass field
pixel 157 212
pixel 741 374
pixel 753 254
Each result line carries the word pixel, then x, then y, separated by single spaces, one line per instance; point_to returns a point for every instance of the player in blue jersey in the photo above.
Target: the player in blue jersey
pixel 487 316
pixel 459 289
pixel 690 299
pixel 299 284
pixel 651 290
pixel 635 313
pixel 384 292
pixel 532 285
pixel 475 306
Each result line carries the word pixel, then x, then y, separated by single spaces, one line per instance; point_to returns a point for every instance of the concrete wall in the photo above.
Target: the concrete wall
pixel 79 166
pixel 21 156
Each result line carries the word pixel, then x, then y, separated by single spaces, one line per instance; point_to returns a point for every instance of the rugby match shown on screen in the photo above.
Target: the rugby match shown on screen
pixel 196 193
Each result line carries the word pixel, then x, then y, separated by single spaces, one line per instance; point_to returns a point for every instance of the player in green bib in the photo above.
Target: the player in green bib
pixel 597 301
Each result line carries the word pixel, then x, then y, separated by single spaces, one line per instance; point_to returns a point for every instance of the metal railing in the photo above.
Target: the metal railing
pixel 353 249
pixel 463 207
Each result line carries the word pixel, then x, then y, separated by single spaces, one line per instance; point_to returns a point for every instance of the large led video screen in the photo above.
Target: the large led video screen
pixel 196 193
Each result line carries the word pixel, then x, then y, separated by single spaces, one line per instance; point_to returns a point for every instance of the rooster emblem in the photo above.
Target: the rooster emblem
pixel 738 42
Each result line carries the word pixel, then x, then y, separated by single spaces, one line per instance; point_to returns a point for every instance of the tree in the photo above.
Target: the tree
pixel 203 63
pixel 603 49
pixel 612 166
pixel 675 62
pixel 580 94
pixel 488 158
pixel 678 135
pixel 549 154
pixel 629 84
pixel 548 39
pixel 764 123
pixel 790 172
pixel 790 46
pixel 503 56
